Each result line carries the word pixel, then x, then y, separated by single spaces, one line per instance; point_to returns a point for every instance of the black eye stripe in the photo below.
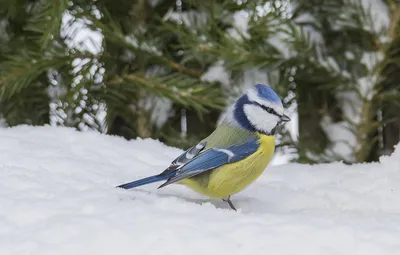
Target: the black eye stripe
pixel 270 110
pixel 267 109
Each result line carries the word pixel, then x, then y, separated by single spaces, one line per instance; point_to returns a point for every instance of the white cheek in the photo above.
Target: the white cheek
pixel 260 119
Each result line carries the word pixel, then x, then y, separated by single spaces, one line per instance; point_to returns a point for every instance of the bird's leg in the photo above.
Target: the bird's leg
pixel 228 200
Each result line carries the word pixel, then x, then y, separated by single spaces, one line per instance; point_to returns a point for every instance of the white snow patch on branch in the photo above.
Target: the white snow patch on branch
pixel 131 39
pixel 349 55
pixel 2 122
pixel 343 140
pixel 278 41
pixel 161 111
pixel 240 25
pixel 217 73
pixel 379 12
pixel 79 35
pixel 189 18
pixel 305 20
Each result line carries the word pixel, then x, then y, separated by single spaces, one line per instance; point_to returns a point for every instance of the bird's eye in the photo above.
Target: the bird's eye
pixel 268 109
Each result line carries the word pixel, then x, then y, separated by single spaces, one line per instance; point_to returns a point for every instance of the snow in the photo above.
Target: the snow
pixel 306 20
pixel 341 134
pixel 330 64
pixel 188 18
pixel 159 108
pixel 57 196
pixel 240 25
pixel 79 35
pixel 349 55
pixel 4 37
pixel 282 5
pixel 132 40
pixel 343 140
pixel 255 76
pixel 217 73
pixel 278 41
pixel 379 12
pixel 370 60
pixel 2 122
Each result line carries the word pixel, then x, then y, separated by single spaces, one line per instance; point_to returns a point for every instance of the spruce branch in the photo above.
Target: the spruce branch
pixel 183 90
pixel 46 20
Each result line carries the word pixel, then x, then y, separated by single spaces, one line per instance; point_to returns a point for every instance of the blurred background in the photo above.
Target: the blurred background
pixel 167 69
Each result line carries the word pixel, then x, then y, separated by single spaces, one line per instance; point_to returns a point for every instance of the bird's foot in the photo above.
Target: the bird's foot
pixel 228 200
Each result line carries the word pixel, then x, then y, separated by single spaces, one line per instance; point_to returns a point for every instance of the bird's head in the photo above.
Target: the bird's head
pixel 259 110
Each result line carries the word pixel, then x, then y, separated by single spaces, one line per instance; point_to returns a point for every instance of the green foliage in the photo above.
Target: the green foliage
pixel 46 20
pixel 314 53
pixel 22 69
pixel 46 77
pixel 35 111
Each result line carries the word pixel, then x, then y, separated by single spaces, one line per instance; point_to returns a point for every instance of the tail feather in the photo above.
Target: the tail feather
pixel 144 181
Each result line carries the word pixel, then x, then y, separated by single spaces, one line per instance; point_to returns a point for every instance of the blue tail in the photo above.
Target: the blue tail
pixel 147 180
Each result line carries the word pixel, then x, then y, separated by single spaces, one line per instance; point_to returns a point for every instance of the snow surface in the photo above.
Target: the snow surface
pixel 57 196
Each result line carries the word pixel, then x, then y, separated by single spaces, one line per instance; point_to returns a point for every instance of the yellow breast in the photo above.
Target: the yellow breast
pixel 232 178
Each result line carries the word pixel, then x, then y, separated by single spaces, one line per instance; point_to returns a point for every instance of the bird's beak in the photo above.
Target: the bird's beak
pixel 285 118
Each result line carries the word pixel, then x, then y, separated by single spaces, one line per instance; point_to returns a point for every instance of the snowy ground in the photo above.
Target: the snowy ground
pixel 57 197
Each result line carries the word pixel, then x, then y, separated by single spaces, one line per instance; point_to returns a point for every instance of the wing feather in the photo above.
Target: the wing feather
pixel 213 158
pixel 189 154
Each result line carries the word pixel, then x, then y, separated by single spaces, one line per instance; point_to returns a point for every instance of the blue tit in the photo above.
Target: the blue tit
pixel 235 154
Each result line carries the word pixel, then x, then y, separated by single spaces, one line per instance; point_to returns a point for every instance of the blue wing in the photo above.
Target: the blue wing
pixel 211 159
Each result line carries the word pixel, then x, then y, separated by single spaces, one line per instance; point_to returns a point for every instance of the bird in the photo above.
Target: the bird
pixel 234 155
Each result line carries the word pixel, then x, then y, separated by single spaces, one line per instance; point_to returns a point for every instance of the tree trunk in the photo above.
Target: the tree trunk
pixel 312 138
